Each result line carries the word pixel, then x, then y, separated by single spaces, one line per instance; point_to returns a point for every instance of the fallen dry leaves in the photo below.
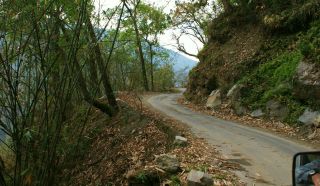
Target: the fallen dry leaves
pixel 131 141
pixel 197 155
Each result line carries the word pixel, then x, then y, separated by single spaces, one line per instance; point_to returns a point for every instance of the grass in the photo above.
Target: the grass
pixel 175 181
pixel 309 43
pixel 142 177
pixel 273 79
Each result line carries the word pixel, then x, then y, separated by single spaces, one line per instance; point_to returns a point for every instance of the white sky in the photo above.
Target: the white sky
pixel 166 40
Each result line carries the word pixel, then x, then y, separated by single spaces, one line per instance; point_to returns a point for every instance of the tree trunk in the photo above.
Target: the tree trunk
pixel 81 83
pixel 83 87
pixel 151 66
pixel 143 66
pixel 99 59
pixel 93 74
pixel 140 51
pixel 226 5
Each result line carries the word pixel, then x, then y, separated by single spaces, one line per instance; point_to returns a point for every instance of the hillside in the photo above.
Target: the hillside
pixel 265 59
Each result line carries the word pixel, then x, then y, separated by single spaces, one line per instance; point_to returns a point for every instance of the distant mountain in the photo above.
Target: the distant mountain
pixel 180 61
pixel 181 66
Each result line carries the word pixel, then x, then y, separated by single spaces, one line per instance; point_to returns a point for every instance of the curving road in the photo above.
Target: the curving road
pixel 266 158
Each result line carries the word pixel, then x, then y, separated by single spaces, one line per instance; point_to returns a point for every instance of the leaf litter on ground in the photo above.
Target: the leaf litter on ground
pixel 133 139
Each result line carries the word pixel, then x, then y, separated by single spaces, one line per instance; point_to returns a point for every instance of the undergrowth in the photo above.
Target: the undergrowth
pixel 273 81
pixel 77 137
pixel 291 34
pixel 309 43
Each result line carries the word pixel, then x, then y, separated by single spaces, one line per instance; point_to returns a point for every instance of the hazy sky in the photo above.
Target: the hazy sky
pixel 166 39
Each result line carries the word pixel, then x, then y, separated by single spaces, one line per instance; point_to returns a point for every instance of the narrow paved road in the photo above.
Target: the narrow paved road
pixel 266 158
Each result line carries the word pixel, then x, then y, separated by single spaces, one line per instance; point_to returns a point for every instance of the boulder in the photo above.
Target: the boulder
pixel 309 117
pixel 239 109
pixel 257 113
pixel 168 163
pixel 198 178
pixel 234 92
pixel 180 141
pixel 143 178
pixel 214 99
pixel 277 110
pixel 307 82
pixel 316 121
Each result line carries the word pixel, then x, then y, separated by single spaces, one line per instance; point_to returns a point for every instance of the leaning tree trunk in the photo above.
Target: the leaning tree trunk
pixel 143 66
pixel 87 97
pixel 82 84
pixel 140 51
pixel 101 67
pixel 151 66
pixel 93 74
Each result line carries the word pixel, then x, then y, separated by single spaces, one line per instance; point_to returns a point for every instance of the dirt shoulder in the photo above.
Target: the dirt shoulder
pixel 304 135
pixel 130 142
pixel 198 154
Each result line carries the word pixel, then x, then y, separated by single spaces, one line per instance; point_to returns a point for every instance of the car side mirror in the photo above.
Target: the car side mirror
pixel 306 169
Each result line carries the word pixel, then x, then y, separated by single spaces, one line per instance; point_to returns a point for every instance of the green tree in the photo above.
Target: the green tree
pixel 134 17
pixel 40 74
pixel 153 23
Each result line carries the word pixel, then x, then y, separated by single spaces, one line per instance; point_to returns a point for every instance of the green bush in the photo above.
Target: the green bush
pixel 306 48
pixel 309 43
pixel 175 181
pixel 142 177
pixel 272 80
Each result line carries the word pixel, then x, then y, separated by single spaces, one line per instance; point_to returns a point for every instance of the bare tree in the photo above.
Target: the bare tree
pixel 191 19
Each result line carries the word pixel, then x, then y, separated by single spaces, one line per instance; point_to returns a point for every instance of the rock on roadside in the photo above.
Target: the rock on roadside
pixel 234 93
pixel 198 178
pixel 168 163
pixel 257 113
pixel 150 177
pixel 277 110
pixel 307 82
pixel 214 99
pixel 180 141
pixel 309 117
pixel 316 121
pixel 239 109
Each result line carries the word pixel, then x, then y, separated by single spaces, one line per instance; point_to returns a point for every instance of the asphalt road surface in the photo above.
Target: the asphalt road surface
pixel 265 157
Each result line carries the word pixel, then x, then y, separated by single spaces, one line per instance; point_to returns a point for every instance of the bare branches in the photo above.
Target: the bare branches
pixel 181 47
pixel 192 19
pixel 38 83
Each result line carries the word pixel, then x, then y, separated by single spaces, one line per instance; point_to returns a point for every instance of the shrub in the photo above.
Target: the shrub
pixel 309 43
pixel 271 80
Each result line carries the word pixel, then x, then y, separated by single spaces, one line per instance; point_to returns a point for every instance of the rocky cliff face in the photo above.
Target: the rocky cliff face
pixel 272 59
pixel 307 82
pixel 223 64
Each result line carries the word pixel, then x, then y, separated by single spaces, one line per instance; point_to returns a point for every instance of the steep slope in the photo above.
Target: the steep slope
pixel 272 53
